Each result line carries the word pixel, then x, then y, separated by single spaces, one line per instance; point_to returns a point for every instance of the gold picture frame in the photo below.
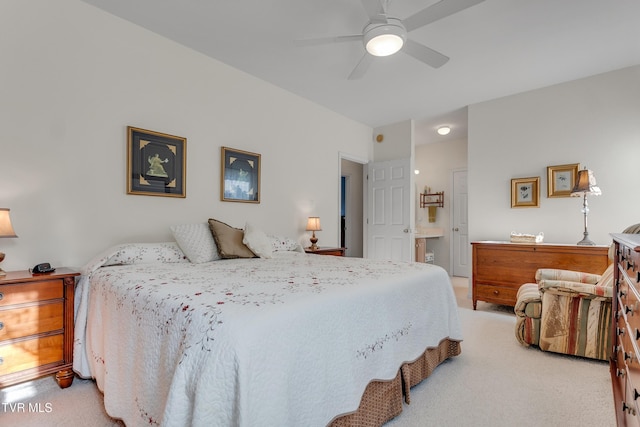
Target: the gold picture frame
pixel 561 179
pixel 240 176
pixel 156 163
pixel 525 192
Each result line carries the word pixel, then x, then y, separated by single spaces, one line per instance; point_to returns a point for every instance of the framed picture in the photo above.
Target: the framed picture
pixel 525 192
pixel 240 177
pixel 156 163
pixel 561 179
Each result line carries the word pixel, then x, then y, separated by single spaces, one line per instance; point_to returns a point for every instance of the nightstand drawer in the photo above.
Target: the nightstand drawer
pixel 30 292
pixel 31 320
pixel 30 353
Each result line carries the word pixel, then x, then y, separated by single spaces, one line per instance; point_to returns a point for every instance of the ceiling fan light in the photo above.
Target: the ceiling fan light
pixel 384 39
pixel 384 45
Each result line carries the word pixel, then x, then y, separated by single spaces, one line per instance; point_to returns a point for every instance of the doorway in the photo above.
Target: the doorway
pixel 460 225
pixel 351 206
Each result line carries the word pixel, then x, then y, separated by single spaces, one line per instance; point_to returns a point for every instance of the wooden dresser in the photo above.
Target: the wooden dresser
pixel 36 326
pixel 625 354
pixel 500 268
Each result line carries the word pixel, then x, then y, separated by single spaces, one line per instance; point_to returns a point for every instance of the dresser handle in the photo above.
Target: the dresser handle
pixel 637 334
pixel 628 310
pixel 635 394
pixel 619 331
pixel 1 326
pixel 627 408
pixel 1 296
pixel 620 372
pixel 622 293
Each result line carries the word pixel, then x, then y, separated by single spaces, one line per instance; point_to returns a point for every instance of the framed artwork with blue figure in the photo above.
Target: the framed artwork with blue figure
pixel 240 177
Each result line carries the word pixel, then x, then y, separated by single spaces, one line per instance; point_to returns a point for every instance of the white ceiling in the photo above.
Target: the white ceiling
pixel 497 48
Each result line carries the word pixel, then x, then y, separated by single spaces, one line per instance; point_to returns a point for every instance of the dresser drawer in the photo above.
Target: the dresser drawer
pixel 496 294
pixel 31 353
pixel 30 292
pixel 31 320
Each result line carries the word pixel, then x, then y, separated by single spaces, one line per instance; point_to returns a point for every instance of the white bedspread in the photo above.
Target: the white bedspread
pixel 288 341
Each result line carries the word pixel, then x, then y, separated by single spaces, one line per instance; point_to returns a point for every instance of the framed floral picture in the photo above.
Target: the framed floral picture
pixel 561 179
pixel 525 192
pixel 156 163
pixel 240 180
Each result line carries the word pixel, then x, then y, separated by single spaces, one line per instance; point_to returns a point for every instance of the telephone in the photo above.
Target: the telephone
pixel 45 267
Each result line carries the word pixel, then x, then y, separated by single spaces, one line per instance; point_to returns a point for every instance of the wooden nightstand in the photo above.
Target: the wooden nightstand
pixel 36 326
pixel 326 251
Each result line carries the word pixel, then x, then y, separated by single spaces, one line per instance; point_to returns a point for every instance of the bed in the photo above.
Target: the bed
pixel 289 340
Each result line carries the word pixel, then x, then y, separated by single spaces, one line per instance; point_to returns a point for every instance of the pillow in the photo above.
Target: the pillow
pixel 143 253
pixel 259 243
pixel 196 241
pixel 229 240
pixel 285 244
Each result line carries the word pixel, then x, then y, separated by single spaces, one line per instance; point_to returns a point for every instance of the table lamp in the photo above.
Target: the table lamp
pixel 313 224
pixel 6 230
pixel 585 185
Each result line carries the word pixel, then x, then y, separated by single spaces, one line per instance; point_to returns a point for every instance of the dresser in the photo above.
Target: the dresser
pixel 500 268
pixel 36 326
pixel 625 354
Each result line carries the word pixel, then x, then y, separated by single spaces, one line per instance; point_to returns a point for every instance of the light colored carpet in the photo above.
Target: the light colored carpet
pixel 494 382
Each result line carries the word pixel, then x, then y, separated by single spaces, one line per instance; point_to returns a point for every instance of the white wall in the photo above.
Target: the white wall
pixel 436 162
pixel 593 121
pixel 73 77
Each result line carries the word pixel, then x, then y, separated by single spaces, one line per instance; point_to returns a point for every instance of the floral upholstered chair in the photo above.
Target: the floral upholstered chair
pixel 568 311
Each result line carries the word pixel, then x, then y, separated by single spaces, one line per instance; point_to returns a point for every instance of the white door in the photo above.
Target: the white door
pixel 389 210
pixel 460 230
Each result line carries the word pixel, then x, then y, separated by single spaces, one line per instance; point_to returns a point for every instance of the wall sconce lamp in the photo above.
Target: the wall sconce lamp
pixel 6 230
pixel 313 224
pixel 585 185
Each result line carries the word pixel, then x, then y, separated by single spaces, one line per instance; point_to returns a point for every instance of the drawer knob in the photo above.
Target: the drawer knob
pixel 620 372
pixel 619 331
pixel 628 310
pixel 496 292
pixel 622 293
pixel 1 296
pixel 1 326
pixel 627 408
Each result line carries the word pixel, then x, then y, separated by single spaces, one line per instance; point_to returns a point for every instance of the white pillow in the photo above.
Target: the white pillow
pixel 259 243
pixel 196 241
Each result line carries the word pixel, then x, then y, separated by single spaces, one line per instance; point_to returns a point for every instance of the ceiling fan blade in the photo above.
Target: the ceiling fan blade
pixel 326 40
pixel 362 67
pixel 437 11
pixel 374 8
pixel 422 53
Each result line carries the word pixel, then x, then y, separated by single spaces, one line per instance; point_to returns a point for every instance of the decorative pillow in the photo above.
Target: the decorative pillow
pixel 285 244
pixel 196 241
pixel 143 253
pixel 229 240
pixel 259 243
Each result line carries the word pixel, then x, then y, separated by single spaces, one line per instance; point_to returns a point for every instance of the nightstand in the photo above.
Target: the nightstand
pixel 326 251
pixel 36 326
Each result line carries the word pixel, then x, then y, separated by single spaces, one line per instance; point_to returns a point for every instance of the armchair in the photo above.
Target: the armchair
pixel 568 311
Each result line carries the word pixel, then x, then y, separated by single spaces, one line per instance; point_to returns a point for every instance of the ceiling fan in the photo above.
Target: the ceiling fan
pixel 385 35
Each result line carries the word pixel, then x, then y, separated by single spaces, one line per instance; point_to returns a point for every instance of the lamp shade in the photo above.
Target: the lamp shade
pixel 313 224
pixel 6 229
pixel 585 184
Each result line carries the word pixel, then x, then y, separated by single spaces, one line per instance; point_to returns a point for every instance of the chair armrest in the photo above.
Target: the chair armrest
pixel 563 287
pixel 528 301
pixel 566 275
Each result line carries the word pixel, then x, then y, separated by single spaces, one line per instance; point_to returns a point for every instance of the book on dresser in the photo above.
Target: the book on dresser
pixel 500 268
